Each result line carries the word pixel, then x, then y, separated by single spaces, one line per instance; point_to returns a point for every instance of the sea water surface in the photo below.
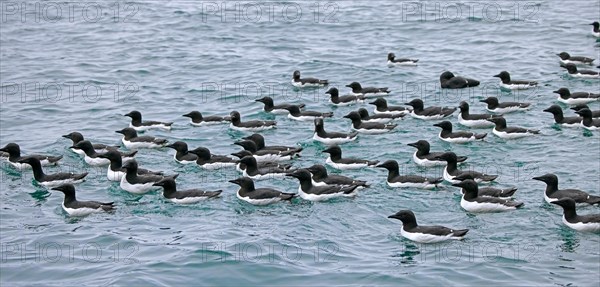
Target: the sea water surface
pixel 79 66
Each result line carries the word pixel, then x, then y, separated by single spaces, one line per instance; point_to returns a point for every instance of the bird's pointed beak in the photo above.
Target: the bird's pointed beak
pixel 393 216
pixel 538 178
pixel 412 144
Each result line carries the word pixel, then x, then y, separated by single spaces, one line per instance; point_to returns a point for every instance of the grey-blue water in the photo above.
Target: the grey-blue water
pixel 79 66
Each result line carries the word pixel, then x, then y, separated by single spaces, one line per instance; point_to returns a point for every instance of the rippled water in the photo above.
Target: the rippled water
pixel 80 66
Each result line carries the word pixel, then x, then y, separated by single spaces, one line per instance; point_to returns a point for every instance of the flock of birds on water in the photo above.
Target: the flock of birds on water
pixel 258 161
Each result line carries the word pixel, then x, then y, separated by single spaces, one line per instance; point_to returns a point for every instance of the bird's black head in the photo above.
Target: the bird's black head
pixel 333 150
pixel 563 92
pixel 301 174
pixel 389 165
pixel 247 145
pixel 596 25
pixel 447 156
pixel 379 102
pixel 333 91
pixel 265 100
pixel 355 86
pixel 499 121
pixel 84 145
pixel 565 203
pixel 30 161
pixel 445 125
pixel 293 109
pixel 68 189
pixel 74 136
pixel 579 107
pixel 554 109
pixel 235 116
pixel 131 165
pixel 467 184
pixel 319 122
pixel 244 182
pixel 391 56
pixel 128 132
pixel 584 113
pixel 178 146
pixel 249 160
pixel 12 148
pixel 420 144
pixel 110 155
pixel 296 75
pixel 201 152
pixel 195 115
pixel 166 183
pixel 404 215
pixel 363 113
pixel 134 115
pixel 241 154
pixel 548 178
pixel 416 103
pixel 463 106
pixel 446 76
pixel 490 101
pixel 256 138
pixel 564 55
pixel 504 76
pixel 571 68
pixel 318 170
pixel 353 116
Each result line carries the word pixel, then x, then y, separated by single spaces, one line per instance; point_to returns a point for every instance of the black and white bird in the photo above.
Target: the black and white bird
pixel 430 113
pixel 346 100
pixel 254 126
pixel 471 201
pixel 182 155
pixel 306 82
pixel 296 114
pixel 207 160
pixel 266 154
pixel 259 196
pixel 378 118
pixel 188 196
pixel 586 223
pixel 140 126
pixel 565 58
pixel 451 170
pixel 259 140
pixel 136 183
pixel 560 119
pixel 552 193
pixel 425 234
pixel 588 122
pixel 577 98
pixel 382 107
pixel 269 106
pixel 507 83
pixel 52 180
pixel 260 164
pixel 459 137
pixel 255 172
pixel 473 120
pixel 502 131
pixel 77 208
pixel 494 106
pixel 506 193
pixel 392 61
pixel 368 127
pixel 197 119
pixel 394 179
pixel 14 157
pixel 357 90
pixel 93 158
pixel 449 81
pixel 115 171
pixel 424 157
pixel 595 113
pixel 320 177
pixel 77 137
pixel 596 29
pixel 335 160
pixel 310 192
pixel 577 73
pixel 131 140
pixel 332 137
